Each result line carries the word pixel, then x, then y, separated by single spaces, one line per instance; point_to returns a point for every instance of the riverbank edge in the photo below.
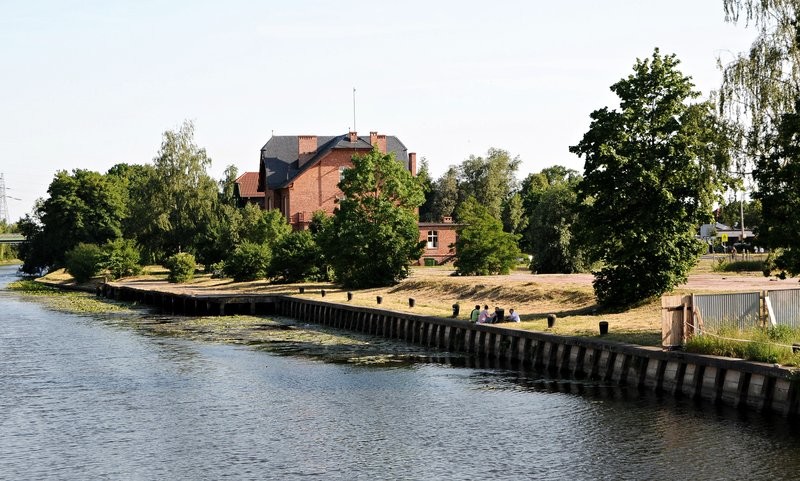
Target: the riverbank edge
pixel 737 383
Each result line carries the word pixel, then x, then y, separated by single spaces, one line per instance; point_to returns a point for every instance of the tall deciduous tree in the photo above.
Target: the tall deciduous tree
pixel 445 195
pixel 179 200
pixel 763 83
pixel 482 247
pixel 82 207
pixel 652 171
pixel 491 180
pixel 778 176
pixel 761 91
pixel 426 213
pixel 374 236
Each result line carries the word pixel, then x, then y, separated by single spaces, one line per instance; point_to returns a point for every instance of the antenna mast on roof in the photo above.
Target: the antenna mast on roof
pixel 354 110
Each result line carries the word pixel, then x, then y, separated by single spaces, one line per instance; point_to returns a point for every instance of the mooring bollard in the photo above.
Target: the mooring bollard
pixel 551 320
pixel 603 328
pixel 795 348
pixel 379 299
pixel 302 290
pixel 349 296
pixel 411 302
pixel 322 292
pixel 456 308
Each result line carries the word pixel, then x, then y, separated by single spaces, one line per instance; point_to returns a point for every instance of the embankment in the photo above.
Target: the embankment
pixel 742 384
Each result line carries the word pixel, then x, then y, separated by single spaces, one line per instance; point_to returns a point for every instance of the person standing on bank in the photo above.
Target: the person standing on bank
pixel 475 314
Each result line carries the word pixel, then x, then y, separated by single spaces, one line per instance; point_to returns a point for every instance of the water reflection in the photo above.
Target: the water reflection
pixel 98 397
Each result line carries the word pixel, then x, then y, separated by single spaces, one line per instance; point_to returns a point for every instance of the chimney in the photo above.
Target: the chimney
pixel 447 220
pixel 379 140
pixel 353 137
pixel 412 163
pixel 306 148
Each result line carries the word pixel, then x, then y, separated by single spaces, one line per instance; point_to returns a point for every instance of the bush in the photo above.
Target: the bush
pixel 739 266
pixel 297 258
pixel 248 262
pixel 84 261
pixel 181 267
pixel 121 258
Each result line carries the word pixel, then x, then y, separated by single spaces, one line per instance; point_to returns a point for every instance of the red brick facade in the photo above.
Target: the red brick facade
pixel 440 239
pixel 299 175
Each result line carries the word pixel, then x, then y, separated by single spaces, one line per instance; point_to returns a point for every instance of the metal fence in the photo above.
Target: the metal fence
pixel 785 305
pixel 742 310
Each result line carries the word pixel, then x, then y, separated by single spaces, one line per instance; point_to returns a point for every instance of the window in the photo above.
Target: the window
pixel 341 173
pixel 433 239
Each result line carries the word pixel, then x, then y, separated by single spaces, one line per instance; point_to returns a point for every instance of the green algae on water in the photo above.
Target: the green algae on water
pixel 66 301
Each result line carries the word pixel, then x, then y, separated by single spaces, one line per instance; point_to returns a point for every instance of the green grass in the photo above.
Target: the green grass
pixel 771 345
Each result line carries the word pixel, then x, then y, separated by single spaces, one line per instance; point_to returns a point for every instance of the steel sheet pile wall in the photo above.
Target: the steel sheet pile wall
pixel 721 380
pixel 736 383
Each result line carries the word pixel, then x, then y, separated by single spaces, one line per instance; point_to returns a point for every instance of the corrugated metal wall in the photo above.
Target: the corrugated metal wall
pixel 786 306
pixel 740 310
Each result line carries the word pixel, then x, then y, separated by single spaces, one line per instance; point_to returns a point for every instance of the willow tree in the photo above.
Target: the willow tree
pixel 653 169
pixel 760 91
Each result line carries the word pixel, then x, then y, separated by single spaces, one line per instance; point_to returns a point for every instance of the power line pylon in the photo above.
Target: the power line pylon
pixel 3 203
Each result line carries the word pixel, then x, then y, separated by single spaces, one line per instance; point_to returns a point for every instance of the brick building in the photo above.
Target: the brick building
pixel 246 190
pixel 299 175
pixel 439 238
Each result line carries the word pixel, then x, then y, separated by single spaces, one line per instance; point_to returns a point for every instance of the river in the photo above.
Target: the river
pixel 89 397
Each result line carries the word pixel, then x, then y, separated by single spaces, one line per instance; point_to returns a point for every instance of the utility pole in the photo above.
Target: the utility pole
pixel 3 204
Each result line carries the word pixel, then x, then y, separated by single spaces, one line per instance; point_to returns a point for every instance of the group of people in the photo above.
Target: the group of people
pixel 483 317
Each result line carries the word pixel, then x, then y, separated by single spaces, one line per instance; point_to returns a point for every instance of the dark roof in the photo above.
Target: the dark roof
pixel 247 185
pixel 279 156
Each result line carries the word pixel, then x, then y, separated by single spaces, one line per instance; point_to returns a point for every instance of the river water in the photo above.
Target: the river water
pixel 89 397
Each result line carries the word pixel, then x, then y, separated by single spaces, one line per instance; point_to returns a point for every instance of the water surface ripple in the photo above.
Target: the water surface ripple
pixel 87 397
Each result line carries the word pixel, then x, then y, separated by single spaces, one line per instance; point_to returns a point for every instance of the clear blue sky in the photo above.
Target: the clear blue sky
pixel 88 84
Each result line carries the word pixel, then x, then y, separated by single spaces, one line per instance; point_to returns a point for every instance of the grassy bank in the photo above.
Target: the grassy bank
pixel 772 345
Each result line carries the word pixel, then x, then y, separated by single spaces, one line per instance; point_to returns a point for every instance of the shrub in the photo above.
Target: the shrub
pixel 739 266
pixel 248 262
pixel 84 261
pixel 121 258
pixel 297 258
pixel 181 267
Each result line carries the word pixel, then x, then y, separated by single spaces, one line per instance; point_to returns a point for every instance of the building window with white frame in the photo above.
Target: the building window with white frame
pixel 433 239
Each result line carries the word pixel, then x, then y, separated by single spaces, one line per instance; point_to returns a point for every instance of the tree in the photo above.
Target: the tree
pixel 760 85
pixel 760 91
pixel 445 195
pixel 82 207
pixel 652 171
pixel 778 176
pixel 482 247
pixel 178 201
pixel 532 190
pixel 491 180
pixel 730 213
pixel 373 235
pixel 227 186
pixel 296 258
pixel 553 245
pixel 426 213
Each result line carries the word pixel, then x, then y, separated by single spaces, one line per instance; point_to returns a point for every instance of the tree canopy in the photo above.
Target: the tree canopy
pixel 373 235
pixel 653 169
pixel 482 247
pixel 177 202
